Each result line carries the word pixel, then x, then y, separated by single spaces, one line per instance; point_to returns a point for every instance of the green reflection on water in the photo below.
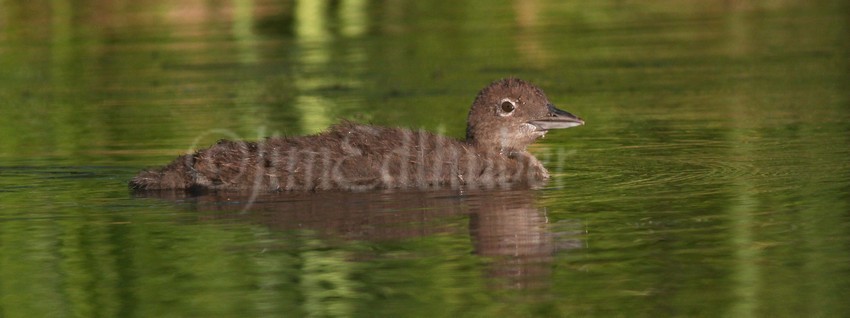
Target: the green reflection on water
pixel 711 178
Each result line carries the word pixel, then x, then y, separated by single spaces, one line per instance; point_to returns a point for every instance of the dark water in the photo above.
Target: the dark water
pixel 712 178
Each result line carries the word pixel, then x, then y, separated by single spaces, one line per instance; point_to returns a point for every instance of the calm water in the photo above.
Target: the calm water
pixel 711 180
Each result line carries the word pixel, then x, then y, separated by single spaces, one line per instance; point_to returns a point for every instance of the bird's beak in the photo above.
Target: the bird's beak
pixel 557 119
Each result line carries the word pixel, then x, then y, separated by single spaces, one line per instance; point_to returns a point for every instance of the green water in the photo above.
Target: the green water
pixel 712 177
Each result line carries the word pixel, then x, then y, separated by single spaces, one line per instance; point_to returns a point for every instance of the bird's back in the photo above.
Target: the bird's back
pixel 347 156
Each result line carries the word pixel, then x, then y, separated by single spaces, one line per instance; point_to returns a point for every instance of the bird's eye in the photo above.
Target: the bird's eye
pixel 507 106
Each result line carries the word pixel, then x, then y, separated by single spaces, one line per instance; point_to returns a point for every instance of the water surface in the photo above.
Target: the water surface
pixel 711 179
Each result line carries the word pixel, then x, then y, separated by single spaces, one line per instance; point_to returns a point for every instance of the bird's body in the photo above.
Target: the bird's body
pixel 505 117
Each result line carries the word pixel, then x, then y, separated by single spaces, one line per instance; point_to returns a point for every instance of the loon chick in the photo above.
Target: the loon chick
pixel 506 117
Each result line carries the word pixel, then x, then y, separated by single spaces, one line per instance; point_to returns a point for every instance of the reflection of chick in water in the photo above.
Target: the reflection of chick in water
pixel 505 226
pixel 517 241
pixel 517 237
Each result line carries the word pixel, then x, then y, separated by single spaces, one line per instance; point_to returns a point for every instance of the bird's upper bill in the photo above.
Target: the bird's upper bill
pixel 556 119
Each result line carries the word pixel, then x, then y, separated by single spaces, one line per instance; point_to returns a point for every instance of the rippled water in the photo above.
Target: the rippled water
pixel 711 178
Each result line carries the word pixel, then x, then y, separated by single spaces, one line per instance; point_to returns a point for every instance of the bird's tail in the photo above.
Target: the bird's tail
pixel 173 176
